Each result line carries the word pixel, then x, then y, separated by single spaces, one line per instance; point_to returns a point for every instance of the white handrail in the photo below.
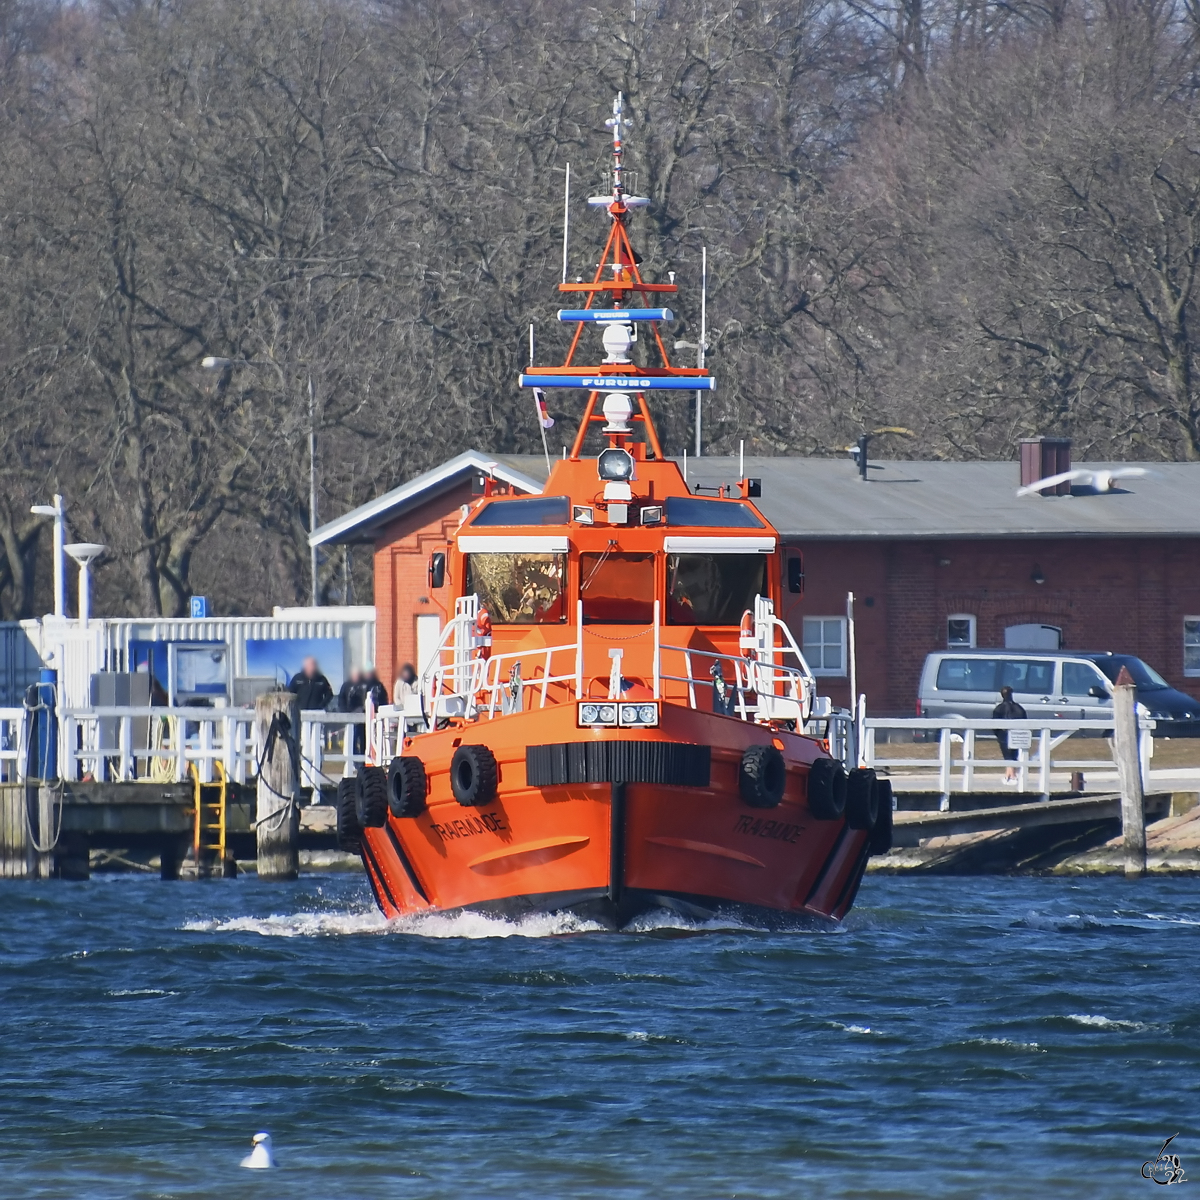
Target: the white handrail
pixel 1049 732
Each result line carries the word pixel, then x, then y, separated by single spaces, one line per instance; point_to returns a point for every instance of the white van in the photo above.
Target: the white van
pixel 967 683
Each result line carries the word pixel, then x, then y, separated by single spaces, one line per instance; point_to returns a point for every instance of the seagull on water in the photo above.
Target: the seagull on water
pixel 259 1159
pixel 1102 479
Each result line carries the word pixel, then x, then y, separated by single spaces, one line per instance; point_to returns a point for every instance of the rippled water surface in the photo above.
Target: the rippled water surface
pixel 959 1037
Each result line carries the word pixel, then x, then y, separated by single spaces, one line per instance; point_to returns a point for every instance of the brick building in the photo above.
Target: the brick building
pixel 935 553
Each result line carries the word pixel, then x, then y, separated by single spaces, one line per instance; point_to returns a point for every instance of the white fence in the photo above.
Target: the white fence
pixel 959 767
pixel 120 744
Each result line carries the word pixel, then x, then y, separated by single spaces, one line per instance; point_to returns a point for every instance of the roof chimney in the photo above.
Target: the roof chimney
pixel 1042 457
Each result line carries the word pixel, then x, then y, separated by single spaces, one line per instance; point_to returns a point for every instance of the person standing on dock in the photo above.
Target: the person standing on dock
pixel 311 687
pixel 1008 710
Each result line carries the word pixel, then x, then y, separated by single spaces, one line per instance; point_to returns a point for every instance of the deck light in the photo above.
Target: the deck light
pixel 597 713
pixel 615 464
pixel 582 514
pixel 641 715
pixel 652 514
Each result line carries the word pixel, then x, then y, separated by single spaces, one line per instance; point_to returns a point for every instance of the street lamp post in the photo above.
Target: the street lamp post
pixel 702 345
pixel 213 363
pixel 58 511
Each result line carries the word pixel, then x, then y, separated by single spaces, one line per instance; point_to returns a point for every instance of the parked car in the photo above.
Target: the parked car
pixel 1063 684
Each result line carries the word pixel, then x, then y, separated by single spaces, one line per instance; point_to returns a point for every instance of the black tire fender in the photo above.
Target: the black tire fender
pixel 407 787
pixel 349 831
pixel 862 799
pixel 473 776
pixel 762 777
pixel 372 797
pixel 826 789
pixel 881 836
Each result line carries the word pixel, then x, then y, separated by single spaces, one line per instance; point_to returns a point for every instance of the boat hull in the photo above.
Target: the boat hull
pixel 609 826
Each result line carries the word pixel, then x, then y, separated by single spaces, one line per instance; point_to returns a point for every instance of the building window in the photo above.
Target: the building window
pixel 825 645
pixel 960 631
pixel 1191 646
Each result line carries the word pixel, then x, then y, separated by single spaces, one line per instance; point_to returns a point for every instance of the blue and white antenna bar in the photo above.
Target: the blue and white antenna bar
pixel 615 314
pixel 623 383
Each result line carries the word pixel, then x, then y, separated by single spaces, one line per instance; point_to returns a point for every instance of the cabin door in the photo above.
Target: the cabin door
pixel 429 630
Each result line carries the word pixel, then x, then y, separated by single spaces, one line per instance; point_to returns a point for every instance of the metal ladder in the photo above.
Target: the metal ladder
pixel 209 802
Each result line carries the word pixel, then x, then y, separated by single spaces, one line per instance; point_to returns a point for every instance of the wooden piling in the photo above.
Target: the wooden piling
pixel 15 860
pixel 277 807
pixel 45 832
pixel 1129 769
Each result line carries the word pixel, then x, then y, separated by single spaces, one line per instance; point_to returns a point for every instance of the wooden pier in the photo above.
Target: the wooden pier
pixel 69 830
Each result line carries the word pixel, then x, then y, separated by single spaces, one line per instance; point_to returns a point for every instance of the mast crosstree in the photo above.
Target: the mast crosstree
pixel 617 276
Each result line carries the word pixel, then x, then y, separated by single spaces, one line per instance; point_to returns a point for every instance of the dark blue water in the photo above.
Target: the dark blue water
pixel 959 1037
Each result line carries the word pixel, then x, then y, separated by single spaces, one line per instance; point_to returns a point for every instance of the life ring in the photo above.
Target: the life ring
pixel 483 631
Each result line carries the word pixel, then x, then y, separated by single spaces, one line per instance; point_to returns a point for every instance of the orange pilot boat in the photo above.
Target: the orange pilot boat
pixel 615 720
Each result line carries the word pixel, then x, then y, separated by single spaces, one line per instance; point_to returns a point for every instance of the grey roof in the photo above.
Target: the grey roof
pixel 361 524
pixel 807 498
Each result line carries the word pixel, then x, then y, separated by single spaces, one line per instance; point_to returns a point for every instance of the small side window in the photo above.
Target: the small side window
pixel 960 631
pixel 437 569
pixel 795 575
pixel 1191 646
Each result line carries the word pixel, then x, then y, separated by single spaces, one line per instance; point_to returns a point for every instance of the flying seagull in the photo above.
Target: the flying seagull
pixel 1102 480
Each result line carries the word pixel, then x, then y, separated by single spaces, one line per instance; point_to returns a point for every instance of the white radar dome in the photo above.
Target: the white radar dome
pixel 618 408
pixel 617 340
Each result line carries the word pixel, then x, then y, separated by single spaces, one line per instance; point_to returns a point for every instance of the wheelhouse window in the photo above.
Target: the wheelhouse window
pixel 711 514
pixel 519 588
pixel 531 510
pixel 713 589
pixel 617 589
pixel 825 645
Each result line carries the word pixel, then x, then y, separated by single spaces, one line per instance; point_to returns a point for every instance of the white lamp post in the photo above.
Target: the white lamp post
pixel 83 553
pixel 58 511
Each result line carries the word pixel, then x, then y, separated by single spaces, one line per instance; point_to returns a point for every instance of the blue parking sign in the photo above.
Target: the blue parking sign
pixel 199 608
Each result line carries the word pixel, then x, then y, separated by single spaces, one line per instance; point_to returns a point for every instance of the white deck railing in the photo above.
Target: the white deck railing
pixel 959 767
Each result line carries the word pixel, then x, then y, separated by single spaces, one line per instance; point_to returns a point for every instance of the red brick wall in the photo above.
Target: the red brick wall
pixel 1106 594
pixel 402 591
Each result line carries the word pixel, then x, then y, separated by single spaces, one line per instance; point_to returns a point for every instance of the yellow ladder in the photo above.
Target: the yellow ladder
pixel 209 803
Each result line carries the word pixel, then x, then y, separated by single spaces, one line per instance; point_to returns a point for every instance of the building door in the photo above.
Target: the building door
pixel 429 630
pixel 1033 637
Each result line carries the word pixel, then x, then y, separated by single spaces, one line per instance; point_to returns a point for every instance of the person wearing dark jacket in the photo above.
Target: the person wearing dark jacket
pixel 1008 710
pixel 311 687
pixel 373 687
pixel 350 697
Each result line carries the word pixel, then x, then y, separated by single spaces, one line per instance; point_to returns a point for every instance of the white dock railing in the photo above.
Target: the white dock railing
pixel 125 743
pixel 959 767
pixel 12 744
